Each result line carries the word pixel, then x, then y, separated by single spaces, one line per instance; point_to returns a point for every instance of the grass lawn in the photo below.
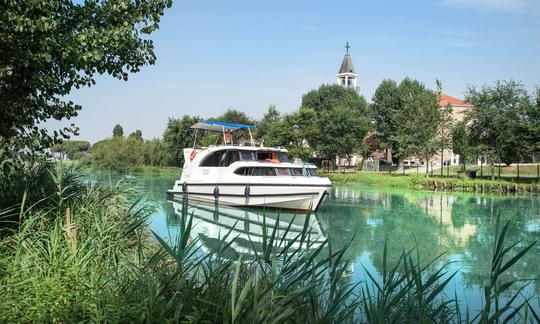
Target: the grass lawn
pixel 420 181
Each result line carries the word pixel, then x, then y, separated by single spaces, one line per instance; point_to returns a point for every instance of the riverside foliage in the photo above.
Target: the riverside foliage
pixel 89 256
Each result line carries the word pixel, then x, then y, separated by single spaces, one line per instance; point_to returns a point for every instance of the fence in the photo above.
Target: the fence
pixel 500 170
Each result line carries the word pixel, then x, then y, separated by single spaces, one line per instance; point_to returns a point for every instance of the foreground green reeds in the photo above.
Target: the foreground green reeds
pixel 92 258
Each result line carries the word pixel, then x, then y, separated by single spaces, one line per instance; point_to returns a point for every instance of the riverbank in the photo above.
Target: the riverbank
pixel 421 182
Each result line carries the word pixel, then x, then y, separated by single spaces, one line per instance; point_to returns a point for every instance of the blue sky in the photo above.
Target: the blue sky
pixel 214 55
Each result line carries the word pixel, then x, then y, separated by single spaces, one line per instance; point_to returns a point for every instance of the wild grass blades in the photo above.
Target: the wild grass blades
pixel 279 283
pixel 493 311
pixel 71 264
pixel 407 292
pixel 90 257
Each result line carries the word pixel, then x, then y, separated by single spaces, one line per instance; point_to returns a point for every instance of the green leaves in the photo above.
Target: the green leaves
pixel 500 120
pixel 407 118
pixel 339 121
pixel 51 47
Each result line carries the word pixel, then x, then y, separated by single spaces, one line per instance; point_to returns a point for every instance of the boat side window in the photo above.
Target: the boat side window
pixel 313 172
pixel 247 156
pixel 283 157
pixel 296 171
pixel 264 172
pixel 244 171
pixel 283 171
pixel 261 156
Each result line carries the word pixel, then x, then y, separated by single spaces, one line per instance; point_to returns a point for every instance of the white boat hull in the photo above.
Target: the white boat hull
pixel 301 197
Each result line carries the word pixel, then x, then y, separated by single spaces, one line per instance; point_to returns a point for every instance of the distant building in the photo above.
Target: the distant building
pixel 347 76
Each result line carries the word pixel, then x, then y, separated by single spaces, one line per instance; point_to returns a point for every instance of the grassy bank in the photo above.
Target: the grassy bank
pixel 422 182
pixel 90 256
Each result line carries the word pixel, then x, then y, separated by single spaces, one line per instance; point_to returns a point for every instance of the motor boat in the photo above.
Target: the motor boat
pixel 247 174
pixel 241 230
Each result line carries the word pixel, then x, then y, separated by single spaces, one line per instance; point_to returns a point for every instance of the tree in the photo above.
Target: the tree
pixel 73 149
pixel 118 131
pixel 329 96
pixel 177 136
pixel 340 132
pixel 117 154
pixel 158 153
pixel 386 105
pixel 50 47
pixel 497 119
pixel 234 116
pixel 291 132
pixel 266 127
pixel 461 143
pixel 531 125
pixel 137 135
pixel 446 125
pixel 416 122
pixel 339 121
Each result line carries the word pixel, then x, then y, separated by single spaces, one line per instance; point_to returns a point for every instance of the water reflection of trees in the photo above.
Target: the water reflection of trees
pixel 379 217
pixel 460 225
pixel 524 213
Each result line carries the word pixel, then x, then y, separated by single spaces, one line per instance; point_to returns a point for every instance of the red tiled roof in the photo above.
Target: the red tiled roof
pixel 445 99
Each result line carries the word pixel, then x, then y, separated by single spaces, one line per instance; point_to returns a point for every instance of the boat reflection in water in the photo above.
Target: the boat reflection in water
pixel 242 229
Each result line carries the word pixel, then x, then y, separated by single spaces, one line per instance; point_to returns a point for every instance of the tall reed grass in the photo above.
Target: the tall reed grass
pixel 92 258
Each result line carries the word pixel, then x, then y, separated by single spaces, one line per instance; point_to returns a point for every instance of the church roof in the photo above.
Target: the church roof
pixel 445 100
pixel 346 65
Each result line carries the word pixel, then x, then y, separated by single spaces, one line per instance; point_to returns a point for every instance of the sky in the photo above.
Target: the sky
pixel 247 55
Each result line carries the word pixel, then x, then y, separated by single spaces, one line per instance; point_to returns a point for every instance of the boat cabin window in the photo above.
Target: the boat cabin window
pixel 247 156
pixel 296 172
pixel 256 171
pixel 261 156
pixel 222 158
pixel 269 171
pixel 283 171
pixel 281 156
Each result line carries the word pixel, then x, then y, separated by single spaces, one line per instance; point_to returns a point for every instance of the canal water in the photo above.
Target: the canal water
pixel 460 227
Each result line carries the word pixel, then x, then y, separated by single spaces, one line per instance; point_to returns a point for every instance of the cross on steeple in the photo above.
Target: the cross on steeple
pixel 347 46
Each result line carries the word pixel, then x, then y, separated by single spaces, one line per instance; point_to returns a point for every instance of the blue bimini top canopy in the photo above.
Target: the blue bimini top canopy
pixel 220 126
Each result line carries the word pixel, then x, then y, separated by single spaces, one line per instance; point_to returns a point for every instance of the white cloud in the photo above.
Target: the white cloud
pixel 495 5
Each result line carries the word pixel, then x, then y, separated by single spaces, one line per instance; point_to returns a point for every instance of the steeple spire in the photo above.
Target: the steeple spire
pixel 346 76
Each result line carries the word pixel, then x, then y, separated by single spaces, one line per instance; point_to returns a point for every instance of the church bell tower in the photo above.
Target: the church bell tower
pixel 346 76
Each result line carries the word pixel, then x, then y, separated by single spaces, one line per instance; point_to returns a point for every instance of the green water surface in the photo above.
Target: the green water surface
pixel 461 227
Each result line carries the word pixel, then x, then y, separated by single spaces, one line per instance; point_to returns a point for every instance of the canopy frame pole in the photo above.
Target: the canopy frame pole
pixel 250 136
pixel 195 138
pixel 224 138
